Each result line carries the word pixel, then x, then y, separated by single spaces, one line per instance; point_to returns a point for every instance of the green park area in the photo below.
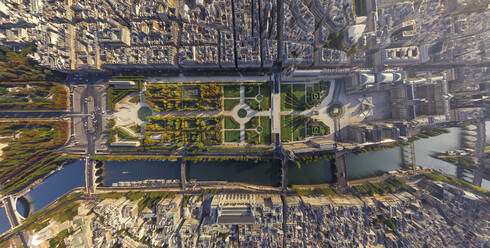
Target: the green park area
pixel 297 128
pixel 32 95
pixel 194 130
pixel 258 97
pixel 303 96
pixel 165 97
pixel 232 136
pixel 390 185
pixel 114 95
pixel 18 67
pixel 145 200
pixel 230 123
pixel 229 104
pixel 231 130
pixel 120 133
pixel 231 97
pixel 437 176
pixel 26 85
pixel 183 131
pixel 293 97
pixel 316 128
pixel 29 151
pixel 258 130
pixel 315 93
pixel 334 40
pixel 316 191
pixel 231 91
pixel 293 128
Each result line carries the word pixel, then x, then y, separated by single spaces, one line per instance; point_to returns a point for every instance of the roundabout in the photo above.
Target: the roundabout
pixel 336 110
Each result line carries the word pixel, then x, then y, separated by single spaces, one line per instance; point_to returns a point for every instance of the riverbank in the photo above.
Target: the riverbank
pixel 457 160
pixel 47 168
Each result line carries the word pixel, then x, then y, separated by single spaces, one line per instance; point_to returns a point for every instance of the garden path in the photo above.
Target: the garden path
pixel 275 112
pixel 250 113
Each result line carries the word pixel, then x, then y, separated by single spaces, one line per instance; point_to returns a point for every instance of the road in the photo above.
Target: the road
pixel 24 114
pixel 338 90
pixel 93 132
pixel 183 178
pixel 341 169
pixel 284 178
pixel 478 173
pixel 8 202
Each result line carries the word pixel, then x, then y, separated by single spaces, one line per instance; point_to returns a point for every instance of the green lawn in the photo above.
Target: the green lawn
pixel 299 131
pixel 252 123
pixel 251 90
pixel 292 128
pixel 115 95
pixel 300 93
pixel 293 97
pixel 285 128
pixel 122 134
pixel 317 129
pixel 230 123
pixel 231 91
pixel 265 91
pixel 263 135
pixel 253 104
pixel 285 88
pixel 335 40
pixel 231 103
pixel 232 136
pixel 144 112
pixel 252 137
pixel 265 123
pixel 262 100
pixel 316 93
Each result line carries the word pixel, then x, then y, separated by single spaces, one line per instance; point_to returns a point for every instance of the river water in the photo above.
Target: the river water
pixel 70 177
pixel 367 164
pixel 262 173
pixel 317 172
pixel 4 222
pixel 138 170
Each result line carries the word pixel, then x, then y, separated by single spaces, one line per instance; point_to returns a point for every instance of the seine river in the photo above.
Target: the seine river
pixel 70 177
pixel 4 222
pixel 263 173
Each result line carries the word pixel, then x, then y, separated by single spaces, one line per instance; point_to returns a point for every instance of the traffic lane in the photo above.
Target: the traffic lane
pixel 31 114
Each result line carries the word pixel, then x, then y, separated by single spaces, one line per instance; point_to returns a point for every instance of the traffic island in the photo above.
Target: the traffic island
pixel 336 110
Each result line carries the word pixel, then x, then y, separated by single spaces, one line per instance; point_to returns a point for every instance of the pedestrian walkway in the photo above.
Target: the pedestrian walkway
pixel 275 113
pixel 242 94
pixel 242 121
